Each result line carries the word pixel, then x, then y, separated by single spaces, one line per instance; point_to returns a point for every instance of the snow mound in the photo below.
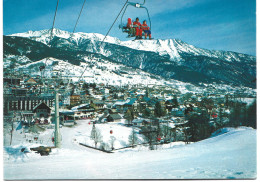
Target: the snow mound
pixel 229 130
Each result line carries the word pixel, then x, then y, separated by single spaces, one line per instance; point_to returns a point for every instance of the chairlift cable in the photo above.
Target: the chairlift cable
pixel 51 35
pixel 54 20
pixel 106 35
pixel 73 32
pixel 82 73
pixel 114 22
pixel 79 16
pixel 65 92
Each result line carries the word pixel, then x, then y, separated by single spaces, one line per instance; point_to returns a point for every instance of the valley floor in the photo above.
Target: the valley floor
pixel 228 155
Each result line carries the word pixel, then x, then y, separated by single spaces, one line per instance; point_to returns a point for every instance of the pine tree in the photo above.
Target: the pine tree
pixel 251 115
pixel 85 86
pixel 235 116
pixel 198 127
pixel 175 101
pixel 147 92
pixel 220 118
pixel 147 112
pixel 158 110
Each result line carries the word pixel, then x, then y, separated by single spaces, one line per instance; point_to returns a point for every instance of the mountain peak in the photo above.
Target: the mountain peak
pixel 172 47
pixel 169 58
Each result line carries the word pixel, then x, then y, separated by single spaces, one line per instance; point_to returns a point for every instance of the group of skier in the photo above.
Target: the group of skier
pixel 136 29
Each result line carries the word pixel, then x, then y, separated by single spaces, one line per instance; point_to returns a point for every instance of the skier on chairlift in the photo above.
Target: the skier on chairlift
pixel 129 26
pixel 138 29
pixel 146 30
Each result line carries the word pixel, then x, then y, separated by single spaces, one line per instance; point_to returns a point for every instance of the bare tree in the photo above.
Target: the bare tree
pixel 96 135
pixel 132 138
pixel 112 141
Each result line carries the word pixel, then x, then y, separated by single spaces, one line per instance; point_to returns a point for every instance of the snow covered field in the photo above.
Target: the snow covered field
pixel 229 154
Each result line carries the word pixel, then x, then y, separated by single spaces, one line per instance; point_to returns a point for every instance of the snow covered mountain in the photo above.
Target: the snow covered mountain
pixel 170 59
pixel 172 47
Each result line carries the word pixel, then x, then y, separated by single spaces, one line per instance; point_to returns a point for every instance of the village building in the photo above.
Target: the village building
pixel 74 99
pixel 114 118
pixel 12 81
pixel 83 111
pixel 41 110
pixel 19 91
pixel 100 105
pixel 25 103
pixel 67 118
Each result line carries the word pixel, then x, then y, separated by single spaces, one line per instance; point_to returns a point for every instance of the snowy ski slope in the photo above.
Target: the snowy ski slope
pixel 229 154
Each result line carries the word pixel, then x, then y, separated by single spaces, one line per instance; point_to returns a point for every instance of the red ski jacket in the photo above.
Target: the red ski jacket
pixel 129 22
pixel 137 23
pixel 145 27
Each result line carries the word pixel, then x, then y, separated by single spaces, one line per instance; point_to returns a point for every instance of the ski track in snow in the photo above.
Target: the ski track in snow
pixel 229 155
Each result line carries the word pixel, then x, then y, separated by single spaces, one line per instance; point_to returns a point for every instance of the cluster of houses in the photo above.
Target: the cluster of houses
pixel 34 101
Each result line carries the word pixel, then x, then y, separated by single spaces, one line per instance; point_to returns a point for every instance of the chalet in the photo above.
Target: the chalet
pixel 114 118
pixel 42 110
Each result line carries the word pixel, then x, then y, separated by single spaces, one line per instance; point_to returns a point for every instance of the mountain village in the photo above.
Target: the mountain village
pixel 160 113
pixel 163 90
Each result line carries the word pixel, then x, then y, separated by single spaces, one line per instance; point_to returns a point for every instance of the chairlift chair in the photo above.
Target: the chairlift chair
pixel 136 5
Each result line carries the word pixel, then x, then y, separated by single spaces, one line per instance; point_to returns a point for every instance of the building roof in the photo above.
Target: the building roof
pixel 137 121
pixel 41 105
pixel 81 106
pixel 120 103
pixel 131 101
pixel 115 116
pixel 75 96
pixel 66 112
pixel 98 102
pixel 32 79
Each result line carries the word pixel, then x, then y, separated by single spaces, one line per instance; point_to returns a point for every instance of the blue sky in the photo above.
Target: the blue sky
pixel 213 24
